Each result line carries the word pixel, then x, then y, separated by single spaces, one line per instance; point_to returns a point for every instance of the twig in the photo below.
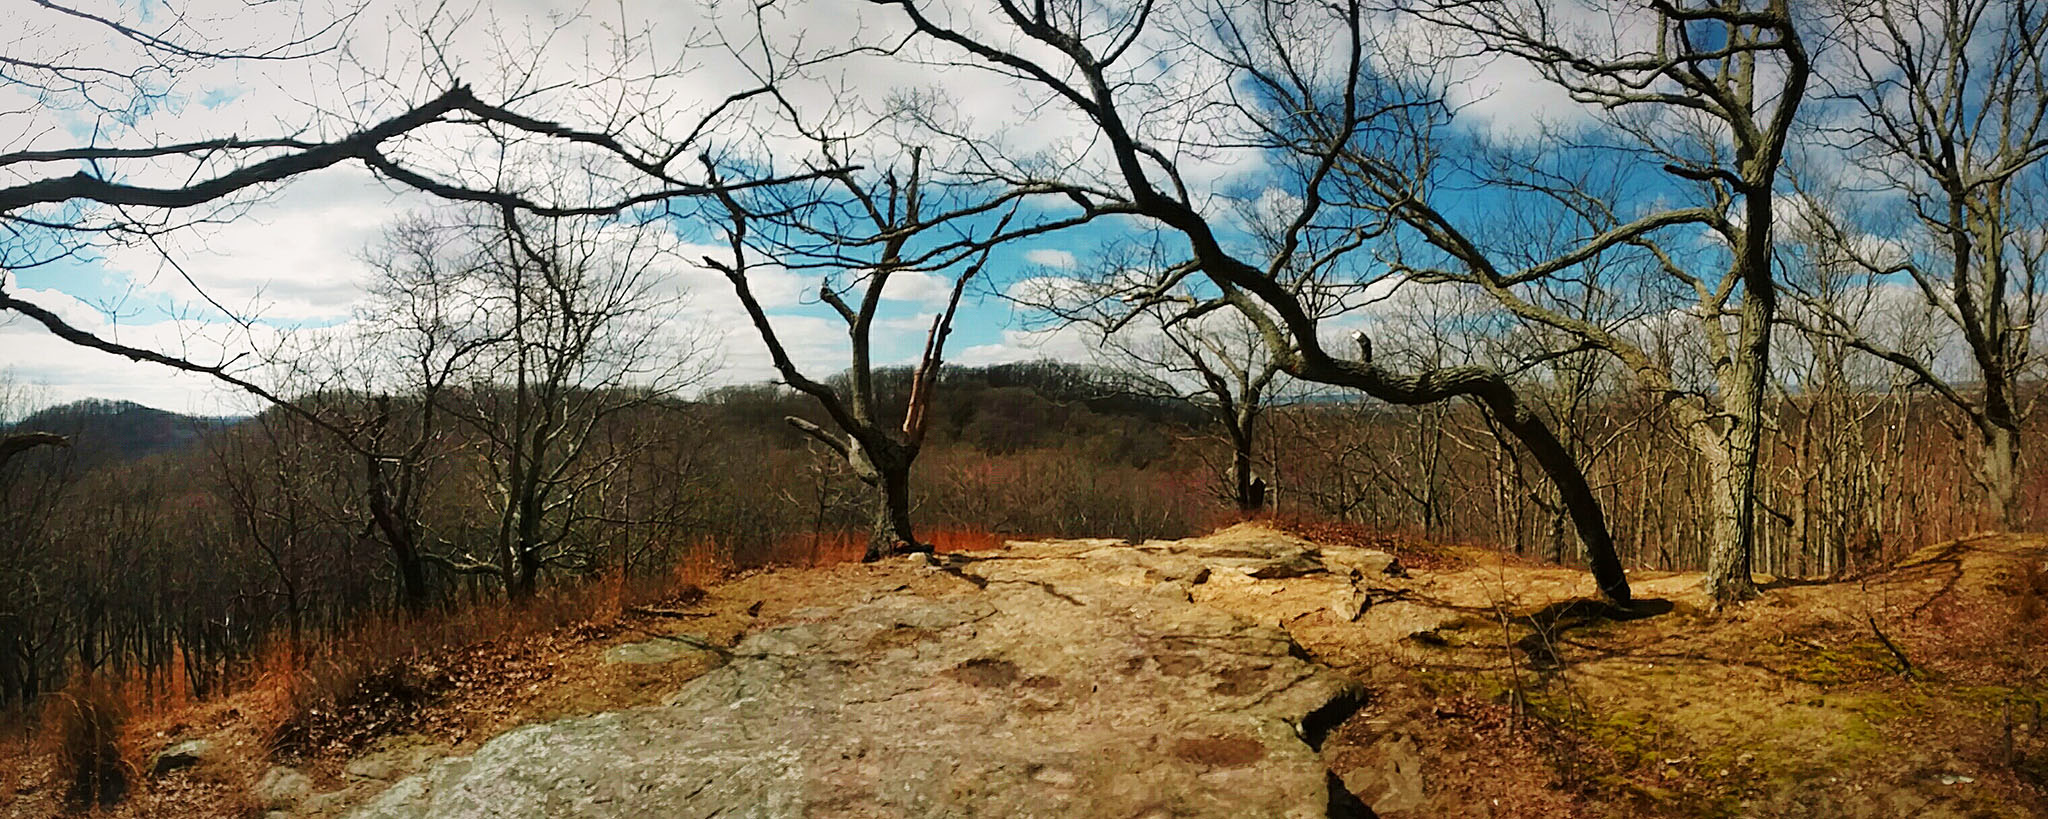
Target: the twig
pixel 670 613
pixel 1905 665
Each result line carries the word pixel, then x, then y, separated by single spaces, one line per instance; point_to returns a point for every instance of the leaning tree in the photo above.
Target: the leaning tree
pixel 1167 97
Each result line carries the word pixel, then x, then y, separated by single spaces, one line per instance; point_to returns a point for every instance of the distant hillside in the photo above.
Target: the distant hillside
pixel 103 431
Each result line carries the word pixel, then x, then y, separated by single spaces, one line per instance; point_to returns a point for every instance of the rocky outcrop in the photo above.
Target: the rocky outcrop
pixel 1049 679
pixel 281 788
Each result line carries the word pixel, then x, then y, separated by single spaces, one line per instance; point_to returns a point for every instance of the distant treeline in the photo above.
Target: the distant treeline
pixel 173 548
pixel 176 546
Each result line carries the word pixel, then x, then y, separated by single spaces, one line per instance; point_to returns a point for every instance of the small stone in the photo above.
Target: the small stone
pixel 1348 604
pixel 1172 590
pixel 651 652
pixel 1390 779
pixel 375 767
pixel 326 803
pixel 179 756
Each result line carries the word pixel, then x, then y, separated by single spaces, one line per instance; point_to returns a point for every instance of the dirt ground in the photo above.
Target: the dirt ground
pixel 1917 691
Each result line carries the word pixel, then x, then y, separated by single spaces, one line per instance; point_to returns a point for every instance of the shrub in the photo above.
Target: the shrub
pixel 85 721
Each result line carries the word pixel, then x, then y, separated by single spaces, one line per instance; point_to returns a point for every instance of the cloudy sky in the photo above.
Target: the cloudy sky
pixel 292 262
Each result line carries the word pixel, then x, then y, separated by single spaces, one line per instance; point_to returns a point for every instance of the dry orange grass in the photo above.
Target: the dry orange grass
pixel 84 731
pixel 827 548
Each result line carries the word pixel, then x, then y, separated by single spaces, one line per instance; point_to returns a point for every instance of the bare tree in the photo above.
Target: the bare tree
pixel 1946 111
pixel 1164 88
pixel 1708 92
pixel 864 232
pixel 1217 362
pixel 417 326
pixel 580 327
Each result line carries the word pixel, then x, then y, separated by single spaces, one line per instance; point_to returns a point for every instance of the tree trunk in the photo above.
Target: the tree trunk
pixel 398 537
pixel 412 581
pixel 886 469
pixel 891 533
pixel 1728 557
pixel 1249 498
pixel 1573 491
pixel 2000 473
pixel 1490 388
pixel 398 526
pixel 294 618
pixel 1732 550
pixel 525 576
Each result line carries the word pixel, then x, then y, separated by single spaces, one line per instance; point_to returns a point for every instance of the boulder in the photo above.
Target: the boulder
pixel 179 756
pixel 1362 562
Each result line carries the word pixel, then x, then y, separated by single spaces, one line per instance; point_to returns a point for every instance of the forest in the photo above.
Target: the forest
pixel 652 299
pixel 179 549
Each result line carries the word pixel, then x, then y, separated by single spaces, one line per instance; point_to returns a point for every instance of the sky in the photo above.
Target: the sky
pixel 293 261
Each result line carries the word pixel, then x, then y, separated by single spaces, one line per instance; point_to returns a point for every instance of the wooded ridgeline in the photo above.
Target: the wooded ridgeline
pixel 176 549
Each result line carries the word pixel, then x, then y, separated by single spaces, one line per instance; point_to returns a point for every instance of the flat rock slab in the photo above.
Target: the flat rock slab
pixel 1063 686
pixel 652 652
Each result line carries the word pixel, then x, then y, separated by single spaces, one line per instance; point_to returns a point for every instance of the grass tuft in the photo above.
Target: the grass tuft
pixel 84 724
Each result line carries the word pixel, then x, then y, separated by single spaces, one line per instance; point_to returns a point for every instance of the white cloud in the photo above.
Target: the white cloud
pixel 297 258
pixel 56 371
pixel 1064 343
pixel 920 287
pixel 1050 257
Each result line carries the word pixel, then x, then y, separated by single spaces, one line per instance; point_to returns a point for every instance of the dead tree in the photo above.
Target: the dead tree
pixel 888 237
pixel 418 342
pixel 1150 126
pixel 576 334
pixel 1708 95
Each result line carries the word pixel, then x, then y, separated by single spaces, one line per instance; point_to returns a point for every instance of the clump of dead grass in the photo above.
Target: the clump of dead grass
pixel 345 691
pixel 83 727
